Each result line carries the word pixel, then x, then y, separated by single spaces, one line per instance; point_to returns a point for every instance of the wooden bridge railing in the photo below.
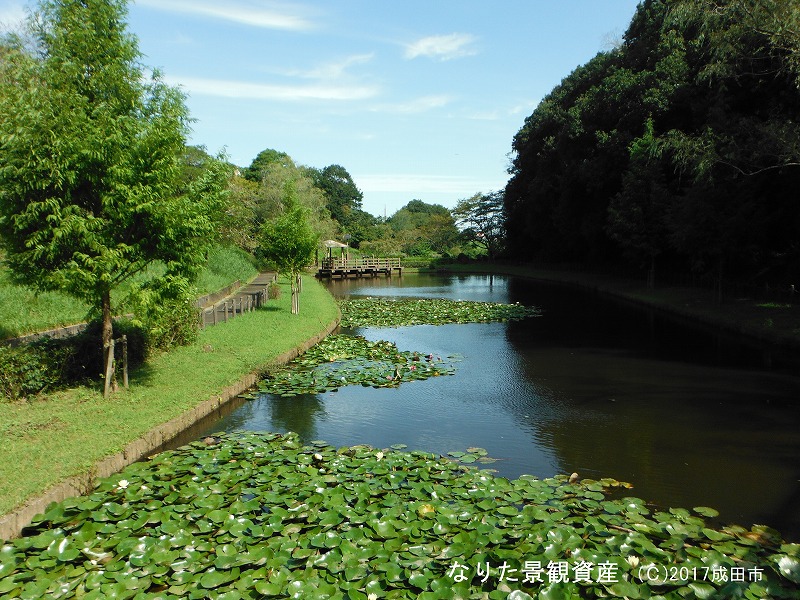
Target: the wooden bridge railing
pixel 336 264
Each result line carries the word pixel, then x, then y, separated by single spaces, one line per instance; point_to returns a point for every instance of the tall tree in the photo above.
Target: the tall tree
pixel 420 228
pixel 344 200
pixel 265 158
pixel 482 218
pixel 271 196
pixel 90 185
pixel 288 241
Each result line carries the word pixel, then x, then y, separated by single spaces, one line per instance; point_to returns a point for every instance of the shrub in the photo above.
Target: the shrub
pixel 273 291
pixel 26 371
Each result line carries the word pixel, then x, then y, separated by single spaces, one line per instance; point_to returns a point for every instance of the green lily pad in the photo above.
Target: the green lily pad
pixel 388 523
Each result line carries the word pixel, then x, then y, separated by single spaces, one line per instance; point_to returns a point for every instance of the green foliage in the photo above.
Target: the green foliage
pixel 91 189
pixel 27 371
pixel 274 291
pixel 481 217
pixel 265 159
pixel 341 360
pixel 421 229
pixel 52 364
pixel 248 515
pixel 54 438
pixel 169 316
pixel 683 144
pixel 384 312
pixel 279 180
pixel 288 241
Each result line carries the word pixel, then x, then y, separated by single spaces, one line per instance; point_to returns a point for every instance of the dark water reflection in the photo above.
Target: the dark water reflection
pixel 593 386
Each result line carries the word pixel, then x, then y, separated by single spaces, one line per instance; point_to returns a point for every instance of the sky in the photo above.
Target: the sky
pixel 417 99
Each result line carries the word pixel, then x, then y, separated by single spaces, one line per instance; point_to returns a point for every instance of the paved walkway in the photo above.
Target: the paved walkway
pixel 248 297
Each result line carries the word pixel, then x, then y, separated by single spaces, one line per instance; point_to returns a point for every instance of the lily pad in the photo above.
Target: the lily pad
pixel 373 523
pixel 341 360
pixel 384 312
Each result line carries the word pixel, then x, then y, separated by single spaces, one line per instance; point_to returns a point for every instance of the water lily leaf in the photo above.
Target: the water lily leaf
pixel 789 567
pixel 706 511
pixel 267 515
pixel 213 578
pixel 626 589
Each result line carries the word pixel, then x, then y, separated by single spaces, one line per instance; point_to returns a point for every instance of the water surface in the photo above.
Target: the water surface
pixel 592 386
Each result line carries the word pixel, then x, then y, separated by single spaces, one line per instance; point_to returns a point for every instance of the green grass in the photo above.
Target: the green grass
pixel 225 265
pixel 65 433
pixel 24 311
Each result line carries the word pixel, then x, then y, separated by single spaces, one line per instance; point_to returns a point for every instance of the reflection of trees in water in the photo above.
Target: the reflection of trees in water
pixel 298 414
pixel 276 414
pixel 625 394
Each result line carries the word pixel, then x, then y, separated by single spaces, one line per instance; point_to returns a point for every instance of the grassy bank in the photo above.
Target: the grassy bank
pixel 65 433
pixel 24 311
pixel 774 322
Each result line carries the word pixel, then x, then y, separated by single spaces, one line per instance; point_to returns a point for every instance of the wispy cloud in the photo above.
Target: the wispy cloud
pixel 418 105
pixel 333 70
pixel 257 91
pixel 269 15
pixel 442 47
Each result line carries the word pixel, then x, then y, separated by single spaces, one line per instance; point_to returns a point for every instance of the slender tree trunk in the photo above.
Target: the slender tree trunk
pixel 107 335
pixel 293 287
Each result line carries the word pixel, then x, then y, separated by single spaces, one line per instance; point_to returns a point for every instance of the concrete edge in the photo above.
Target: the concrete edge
pixel 12 523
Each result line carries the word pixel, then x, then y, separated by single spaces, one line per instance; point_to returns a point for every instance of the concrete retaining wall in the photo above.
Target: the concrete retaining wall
pixel 11 524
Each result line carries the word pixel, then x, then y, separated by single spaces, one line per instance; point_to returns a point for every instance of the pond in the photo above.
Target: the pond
pixel 594 386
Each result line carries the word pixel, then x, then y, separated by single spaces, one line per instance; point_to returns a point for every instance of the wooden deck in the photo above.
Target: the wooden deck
pixel 342 268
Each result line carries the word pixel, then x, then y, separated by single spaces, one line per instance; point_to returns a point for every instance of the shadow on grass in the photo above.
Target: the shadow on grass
pixel 142 374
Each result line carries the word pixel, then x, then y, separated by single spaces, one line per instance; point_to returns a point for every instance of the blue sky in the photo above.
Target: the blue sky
pixel 416 99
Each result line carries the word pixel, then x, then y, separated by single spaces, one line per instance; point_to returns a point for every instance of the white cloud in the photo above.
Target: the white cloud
pixel 442 47
pixel 272 16
pixel 288 93
pixel 419 105
pixel 333 70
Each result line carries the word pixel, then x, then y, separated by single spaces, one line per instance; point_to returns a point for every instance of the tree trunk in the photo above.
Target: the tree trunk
pixel 293 287
pixel 107 335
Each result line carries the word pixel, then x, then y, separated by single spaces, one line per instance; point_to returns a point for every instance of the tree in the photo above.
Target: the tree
pixel 481 216
pixel 344 200
pixel 420 228
pixel 90 186
pixel 342 194
pixel 265 158
pixel 693 120
pixel 288 240
pixel 271 197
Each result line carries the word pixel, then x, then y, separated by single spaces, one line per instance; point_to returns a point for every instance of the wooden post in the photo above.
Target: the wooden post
pixel 109 368
pixel 125 361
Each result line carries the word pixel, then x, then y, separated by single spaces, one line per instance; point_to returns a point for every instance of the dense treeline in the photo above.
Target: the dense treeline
pixel 680 147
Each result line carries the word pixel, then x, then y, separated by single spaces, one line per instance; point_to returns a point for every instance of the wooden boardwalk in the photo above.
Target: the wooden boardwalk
pixel 342 268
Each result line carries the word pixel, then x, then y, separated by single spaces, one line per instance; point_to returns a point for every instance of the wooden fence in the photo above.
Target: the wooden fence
pixel 358 267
